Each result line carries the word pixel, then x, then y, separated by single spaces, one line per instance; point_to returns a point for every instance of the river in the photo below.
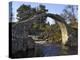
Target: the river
pixel 50 50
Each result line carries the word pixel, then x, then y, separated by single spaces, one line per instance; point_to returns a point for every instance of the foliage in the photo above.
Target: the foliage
pixel 41 9
pixel 51 33
pixel 26 11
pixel 70 13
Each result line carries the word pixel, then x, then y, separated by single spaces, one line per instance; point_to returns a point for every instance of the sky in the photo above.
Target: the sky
pixel 52 8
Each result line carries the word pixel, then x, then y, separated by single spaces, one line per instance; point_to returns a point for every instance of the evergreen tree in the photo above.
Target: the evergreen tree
pixel 25 12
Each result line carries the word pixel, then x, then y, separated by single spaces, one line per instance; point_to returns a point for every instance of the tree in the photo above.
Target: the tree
pixel 24 12
pixel 70 13
pixel 41 9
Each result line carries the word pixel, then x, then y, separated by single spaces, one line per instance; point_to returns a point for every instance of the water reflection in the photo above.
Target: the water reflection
pixel 51 50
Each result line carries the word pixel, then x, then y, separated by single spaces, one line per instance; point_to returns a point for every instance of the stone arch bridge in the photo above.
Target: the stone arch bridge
pixel 60 21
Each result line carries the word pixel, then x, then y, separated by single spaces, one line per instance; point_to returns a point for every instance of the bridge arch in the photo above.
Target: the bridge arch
pixel 62 24
pixel 60 21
